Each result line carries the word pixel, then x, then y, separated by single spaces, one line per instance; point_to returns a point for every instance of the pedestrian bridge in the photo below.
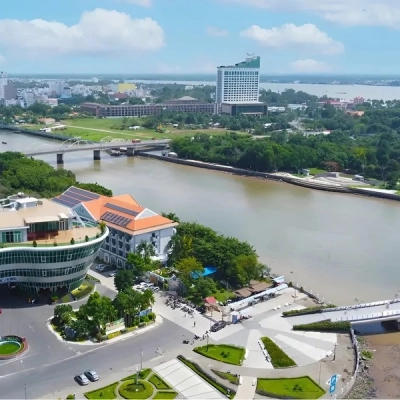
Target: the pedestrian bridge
pixel 368 312
pixel 71 146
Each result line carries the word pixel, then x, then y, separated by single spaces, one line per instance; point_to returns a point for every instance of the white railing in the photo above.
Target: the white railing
pixel 346 389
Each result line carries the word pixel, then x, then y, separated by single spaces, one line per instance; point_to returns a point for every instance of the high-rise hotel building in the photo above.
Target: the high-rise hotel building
pixel 239 83
pixel 238 88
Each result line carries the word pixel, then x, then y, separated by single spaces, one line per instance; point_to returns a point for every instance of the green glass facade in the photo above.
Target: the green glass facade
pixel 50 268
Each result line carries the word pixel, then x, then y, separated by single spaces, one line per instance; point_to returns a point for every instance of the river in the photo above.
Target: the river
pixel 345 92
pixel 341 246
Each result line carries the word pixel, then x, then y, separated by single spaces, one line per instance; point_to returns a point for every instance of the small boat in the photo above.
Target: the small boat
pixel 4 142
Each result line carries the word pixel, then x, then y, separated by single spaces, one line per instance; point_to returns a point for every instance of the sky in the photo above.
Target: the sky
pixel 195 36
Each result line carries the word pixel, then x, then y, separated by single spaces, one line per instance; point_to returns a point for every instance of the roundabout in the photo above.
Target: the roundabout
pixel 12 346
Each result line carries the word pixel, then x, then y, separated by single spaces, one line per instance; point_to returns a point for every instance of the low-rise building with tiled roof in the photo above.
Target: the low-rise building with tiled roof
pixel 129 223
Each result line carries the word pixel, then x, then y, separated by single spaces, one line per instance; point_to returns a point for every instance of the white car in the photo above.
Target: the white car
pixel 155 289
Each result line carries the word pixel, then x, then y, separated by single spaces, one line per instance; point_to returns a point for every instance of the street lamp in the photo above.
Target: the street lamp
pixel 141 360
pixel 334 352
pixel 137 376
pixel 295 285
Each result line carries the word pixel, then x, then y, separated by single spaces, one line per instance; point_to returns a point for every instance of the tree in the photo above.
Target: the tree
pixel 146 250
pixel 124 279
pixel 100 309
pixel 171 216
pixel 189 268
pixel 61 309
pixel 95 188
pixel 81 328
pixel 128 303
pixel 137 264
pixel 146 299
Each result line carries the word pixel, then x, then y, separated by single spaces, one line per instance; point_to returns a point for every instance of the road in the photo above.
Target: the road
pixel 56 376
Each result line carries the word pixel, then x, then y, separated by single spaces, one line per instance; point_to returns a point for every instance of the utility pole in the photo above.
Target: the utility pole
pixel 25 390
pixel 141 359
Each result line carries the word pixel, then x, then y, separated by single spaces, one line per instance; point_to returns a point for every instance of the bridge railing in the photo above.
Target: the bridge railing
pixel 382 314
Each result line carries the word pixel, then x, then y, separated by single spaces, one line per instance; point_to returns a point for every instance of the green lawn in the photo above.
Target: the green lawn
pixel 223 295
pixel 293 388
pixel 84 290
pixel 316 171
pixel 7 348
pixel 234 379
pixel 95 129
pixel 165 395
pixel 158 382
pixel 105 393
pixel 129 390
pixel 143 374
pixel 222 352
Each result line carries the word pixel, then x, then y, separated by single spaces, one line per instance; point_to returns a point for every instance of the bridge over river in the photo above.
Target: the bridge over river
pixel 82 145
pixel 361 313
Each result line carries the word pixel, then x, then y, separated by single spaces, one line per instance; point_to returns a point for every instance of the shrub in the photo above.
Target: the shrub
pixel 34 244
pixel 70 396
pixel 324 326
pixel 144 319
pixel 151 316
pixel 86 238
pixel 142 324
pixel 113 335
pixel 55 244
pixel 308 310
pixel 279 358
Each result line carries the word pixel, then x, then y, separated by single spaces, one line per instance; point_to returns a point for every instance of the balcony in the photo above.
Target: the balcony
pixel 62 238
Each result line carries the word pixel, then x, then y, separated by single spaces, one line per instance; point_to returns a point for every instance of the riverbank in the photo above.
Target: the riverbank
pixel 326 186
pixel 380 375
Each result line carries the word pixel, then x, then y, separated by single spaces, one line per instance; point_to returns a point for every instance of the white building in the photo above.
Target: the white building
pixel 44 245
pixel 3 83
pixel 56 87
pixel 239 83
pixel 128 222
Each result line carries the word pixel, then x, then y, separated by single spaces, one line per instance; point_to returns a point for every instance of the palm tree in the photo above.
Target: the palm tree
pixel 146 250
pixel 147 299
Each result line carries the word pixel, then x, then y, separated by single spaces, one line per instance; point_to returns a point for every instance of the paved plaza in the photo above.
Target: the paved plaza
pixel 186 382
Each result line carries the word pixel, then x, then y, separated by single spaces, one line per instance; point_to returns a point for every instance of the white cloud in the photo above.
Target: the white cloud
pixel 98 32
pixel 141 3
pixel 310 66
pixel 345 12
pixel 212 31
pixel 300 37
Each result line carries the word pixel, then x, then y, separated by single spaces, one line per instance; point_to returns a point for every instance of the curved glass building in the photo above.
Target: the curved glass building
pixel 44 246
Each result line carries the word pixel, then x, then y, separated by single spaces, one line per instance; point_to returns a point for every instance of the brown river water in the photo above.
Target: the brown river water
pixel 339 246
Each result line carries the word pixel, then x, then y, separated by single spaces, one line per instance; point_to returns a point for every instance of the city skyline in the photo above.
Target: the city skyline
pixel 154 36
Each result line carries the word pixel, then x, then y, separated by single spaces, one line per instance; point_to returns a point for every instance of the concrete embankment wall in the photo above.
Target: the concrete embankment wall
pixel 245 172
pixel 287 179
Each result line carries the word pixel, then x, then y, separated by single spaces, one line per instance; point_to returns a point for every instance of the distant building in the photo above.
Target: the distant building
pixel 337 104
pixel 183 104
pixel 3 83
pixel 126 87
pixel 10 91
pixel 238 88
pixel 239 83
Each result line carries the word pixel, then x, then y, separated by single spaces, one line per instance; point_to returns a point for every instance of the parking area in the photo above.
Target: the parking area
pixel 186 382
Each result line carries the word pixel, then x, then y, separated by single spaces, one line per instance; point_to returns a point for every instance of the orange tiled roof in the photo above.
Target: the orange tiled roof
pixel 98 208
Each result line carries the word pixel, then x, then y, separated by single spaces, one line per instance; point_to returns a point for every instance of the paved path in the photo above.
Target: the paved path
pixel 116 132
pixel 247 388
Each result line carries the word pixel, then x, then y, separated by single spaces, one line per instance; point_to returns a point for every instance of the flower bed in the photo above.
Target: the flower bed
pixel 228 354
pixel 308 310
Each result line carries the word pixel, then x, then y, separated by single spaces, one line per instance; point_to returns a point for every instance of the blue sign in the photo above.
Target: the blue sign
pixel 333 381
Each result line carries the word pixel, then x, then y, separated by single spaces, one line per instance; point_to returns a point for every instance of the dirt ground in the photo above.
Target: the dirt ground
pixel 384 368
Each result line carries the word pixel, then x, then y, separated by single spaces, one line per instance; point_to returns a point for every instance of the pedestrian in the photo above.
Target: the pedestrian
pixel 194 324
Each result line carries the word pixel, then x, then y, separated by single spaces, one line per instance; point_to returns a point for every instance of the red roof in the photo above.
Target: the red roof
pixel 210 300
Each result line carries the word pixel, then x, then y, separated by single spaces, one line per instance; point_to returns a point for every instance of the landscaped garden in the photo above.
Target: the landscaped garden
pixel 225 353
pixel 232 378
pixel 308 310
pixel 279 359
pixel 148 385
pixel 290 388
pixel 11 346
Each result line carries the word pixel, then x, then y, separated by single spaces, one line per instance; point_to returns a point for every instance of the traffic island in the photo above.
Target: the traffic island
pixel 12 347
pixel 145 385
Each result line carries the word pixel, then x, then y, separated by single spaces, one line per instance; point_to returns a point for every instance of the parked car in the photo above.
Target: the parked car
pixel 81 379
pixel 155 288
pixel 92 375
pixel 218 326
pixel 111 274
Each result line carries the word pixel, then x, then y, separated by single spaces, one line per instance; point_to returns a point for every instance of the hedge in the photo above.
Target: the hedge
pixel 324 326
pixel 308 310
pixel 207 377
pixel 279 359
pixel 113 335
